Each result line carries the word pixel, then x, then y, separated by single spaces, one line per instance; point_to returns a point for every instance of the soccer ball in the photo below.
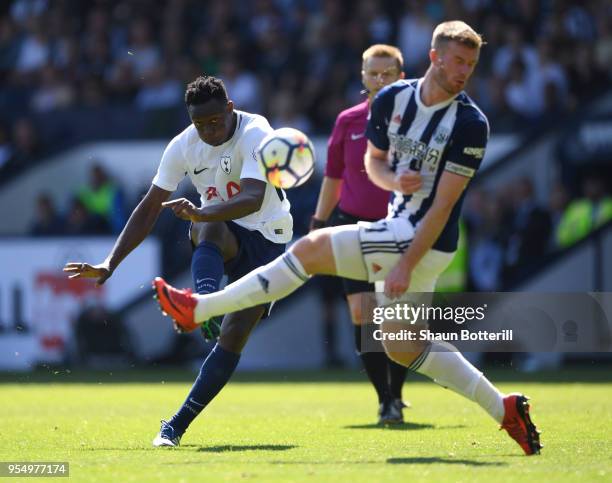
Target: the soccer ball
pixel 286 158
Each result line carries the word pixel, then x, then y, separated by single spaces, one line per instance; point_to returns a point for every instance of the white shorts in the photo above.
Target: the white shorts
pixel 369 250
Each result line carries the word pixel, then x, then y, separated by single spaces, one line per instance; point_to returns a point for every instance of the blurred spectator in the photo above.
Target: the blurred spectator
pixel 530 229
pixel 578 22
pixel 514 48
pixel 550 76
pixel 47 221
pixel 414 37
pixel 53 92
pixel 159 91
pixel 80 222
pixel 35 48
pixel 557 203
pixel 285 112
pixel 243 85
pixel 102 197
pixel 378 25
pixel 6 148
pixel 9 46
pixel 205 55
pixel 522 94
pixel 121 82
pixel 486 241
pixel 142 52
pixel 91 93
pixel 603 46
pixel 585 214
pixel 26 143
pixel 586 78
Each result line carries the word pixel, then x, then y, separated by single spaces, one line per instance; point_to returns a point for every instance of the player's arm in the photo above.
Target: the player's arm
pixel 329 196
pixel 328 199
pixel 377 153
pixel 464 159
pixel 247 201
pixel 138 226
pixel 169 174
pixel 378 169
pixel 380 173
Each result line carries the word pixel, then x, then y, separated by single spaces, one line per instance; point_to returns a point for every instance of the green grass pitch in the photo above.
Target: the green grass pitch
pixel 313 427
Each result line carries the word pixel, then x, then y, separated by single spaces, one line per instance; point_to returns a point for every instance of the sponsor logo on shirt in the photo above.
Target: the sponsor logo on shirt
pixel 416 151
pixel 477 153
pixel 355 136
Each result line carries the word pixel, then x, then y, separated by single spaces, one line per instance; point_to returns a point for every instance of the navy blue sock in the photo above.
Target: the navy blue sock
pixel 207 267
pixel 214 374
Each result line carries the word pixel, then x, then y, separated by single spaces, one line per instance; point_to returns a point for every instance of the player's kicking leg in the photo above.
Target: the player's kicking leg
pixel 314 254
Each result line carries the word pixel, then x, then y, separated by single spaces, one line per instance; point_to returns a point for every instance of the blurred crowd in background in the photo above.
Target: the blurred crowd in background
pixel 74 71
pixel 296 61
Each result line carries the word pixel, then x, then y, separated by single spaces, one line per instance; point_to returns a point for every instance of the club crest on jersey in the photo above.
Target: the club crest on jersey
pixel 397 119
pixel 226 164
pixel 441 135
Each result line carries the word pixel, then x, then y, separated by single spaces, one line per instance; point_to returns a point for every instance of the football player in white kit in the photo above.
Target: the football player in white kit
pixel 243 223
pixel 430 126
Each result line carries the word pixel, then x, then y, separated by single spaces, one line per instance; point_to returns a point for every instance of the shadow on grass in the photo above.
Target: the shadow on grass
pixel 437 460
pixel 246 447
pixel 392 427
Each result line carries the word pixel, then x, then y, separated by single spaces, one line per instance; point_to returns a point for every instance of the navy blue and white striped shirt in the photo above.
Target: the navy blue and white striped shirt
pixel 451 136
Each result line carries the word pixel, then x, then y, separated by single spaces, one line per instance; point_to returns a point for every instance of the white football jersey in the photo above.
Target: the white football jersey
pixel 216 171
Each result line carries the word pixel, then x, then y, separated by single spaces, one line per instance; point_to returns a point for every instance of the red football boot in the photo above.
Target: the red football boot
pixel 518 424
pixel 178 304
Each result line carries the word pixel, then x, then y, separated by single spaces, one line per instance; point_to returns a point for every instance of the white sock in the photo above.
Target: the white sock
pixel 448 368
pixel 271 282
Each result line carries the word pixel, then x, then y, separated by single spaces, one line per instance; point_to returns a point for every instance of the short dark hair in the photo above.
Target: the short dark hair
pixel 204 89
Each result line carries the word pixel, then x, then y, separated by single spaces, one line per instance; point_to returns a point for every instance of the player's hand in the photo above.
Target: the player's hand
pixel 397 282
pixel 184 209
pixel 408 182
pixel 84 270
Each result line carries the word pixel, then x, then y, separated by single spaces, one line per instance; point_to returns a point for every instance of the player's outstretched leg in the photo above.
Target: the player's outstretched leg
pixel 311 255
pixel 445 365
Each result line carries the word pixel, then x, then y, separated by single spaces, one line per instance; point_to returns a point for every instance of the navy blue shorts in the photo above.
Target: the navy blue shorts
pixel 349 285
pixel 254 250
